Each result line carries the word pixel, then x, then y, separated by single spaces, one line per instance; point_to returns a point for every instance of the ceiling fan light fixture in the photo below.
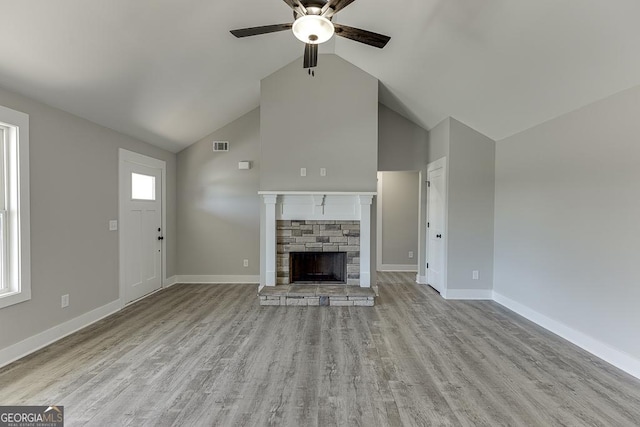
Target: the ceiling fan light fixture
pixel 313 29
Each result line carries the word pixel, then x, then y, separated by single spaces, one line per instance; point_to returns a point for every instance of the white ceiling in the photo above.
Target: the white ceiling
pixel 169 72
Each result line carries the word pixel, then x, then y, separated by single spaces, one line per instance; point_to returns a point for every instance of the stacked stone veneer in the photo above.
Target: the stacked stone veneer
pixel 318 236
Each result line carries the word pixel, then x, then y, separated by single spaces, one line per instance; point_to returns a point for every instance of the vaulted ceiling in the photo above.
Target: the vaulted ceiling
pixel 168 71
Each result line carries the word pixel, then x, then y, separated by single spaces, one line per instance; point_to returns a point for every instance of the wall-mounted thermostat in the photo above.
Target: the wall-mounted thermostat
pixel 220 145
pixel 244 165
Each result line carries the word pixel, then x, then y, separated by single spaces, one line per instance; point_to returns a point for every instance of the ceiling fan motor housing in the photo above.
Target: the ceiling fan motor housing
pixel 313 7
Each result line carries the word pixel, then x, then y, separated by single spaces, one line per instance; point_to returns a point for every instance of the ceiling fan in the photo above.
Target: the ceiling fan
pixel 313 25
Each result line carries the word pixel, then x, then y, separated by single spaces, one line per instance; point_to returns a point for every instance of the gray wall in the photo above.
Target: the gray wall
pixel 330 121
pixel 399 199
pixel 218 204
pixel 470 202
pixel 439 140
pixel 74 193
pixel 567 220
pixel 471 189
pixel 402 145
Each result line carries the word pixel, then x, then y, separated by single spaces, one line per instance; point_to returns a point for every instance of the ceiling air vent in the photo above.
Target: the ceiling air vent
pixel 220 145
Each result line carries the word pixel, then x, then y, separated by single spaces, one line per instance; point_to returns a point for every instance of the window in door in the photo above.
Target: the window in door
pixel 143 187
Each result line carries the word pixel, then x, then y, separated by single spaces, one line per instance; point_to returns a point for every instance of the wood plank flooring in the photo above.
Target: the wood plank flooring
pixel 209 355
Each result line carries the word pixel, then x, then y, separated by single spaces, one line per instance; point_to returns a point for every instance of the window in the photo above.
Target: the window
pixel 15 263
pixel 143 187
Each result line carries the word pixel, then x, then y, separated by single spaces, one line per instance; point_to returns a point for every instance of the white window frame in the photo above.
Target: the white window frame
pixel 17 259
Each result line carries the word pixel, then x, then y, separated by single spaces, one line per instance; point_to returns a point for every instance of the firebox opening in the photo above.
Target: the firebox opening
pixel 318 267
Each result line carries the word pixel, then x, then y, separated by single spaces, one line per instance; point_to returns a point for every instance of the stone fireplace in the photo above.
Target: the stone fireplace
pixel 327 250
pixel 301 226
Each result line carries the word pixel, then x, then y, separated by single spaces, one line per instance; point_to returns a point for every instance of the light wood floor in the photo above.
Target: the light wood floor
pixel 210 355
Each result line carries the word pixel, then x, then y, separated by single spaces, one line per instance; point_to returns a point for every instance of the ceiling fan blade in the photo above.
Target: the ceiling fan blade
pixel 362 36
pixel 255 31
pixel 334 6
pixel 310 55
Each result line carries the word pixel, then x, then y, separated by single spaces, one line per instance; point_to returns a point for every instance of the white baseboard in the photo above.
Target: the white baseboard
pixel 398 267
pixel 468 294
pixel 421 280
pixel 617 358
pixel 203 279
pixel 43 339
pixel 170 281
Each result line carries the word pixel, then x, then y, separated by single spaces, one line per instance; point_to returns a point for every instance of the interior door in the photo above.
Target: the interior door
pixel 435 233
pixel 140 230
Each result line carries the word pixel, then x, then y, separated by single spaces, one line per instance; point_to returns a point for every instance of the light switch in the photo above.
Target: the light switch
pixel 113 225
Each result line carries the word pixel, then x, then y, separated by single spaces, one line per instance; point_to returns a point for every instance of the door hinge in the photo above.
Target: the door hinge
pixel 428 225
pixel 427 265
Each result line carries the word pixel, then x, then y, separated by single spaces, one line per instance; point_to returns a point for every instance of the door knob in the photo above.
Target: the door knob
pixel 439 236
pixel 160 237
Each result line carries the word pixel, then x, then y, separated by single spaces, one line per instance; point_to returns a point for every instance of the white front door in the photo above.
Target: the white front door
pixel 436 221
pixel 141 234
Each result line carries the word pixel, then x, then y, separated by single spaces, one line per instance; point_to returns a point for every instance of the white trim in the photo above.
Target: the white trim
pixel 133 157
pixel 617 358
pixel 319 193
pixel 170 281
pixel 467 294
pixel 440 163
pixel 379 224
pixel 399 267
pixel 421 280
pixel 218 280
pixel 19 248
pixel 317 207
pixel 365 239
pixel 270 240
pixel 43 339
pixel 422 221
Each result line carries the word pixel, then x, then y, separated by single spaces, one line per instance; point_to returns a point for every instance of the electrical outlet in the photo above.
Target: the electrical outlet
pixel 410 254
pixel 113 225
pixel 323 171
pixel 245 263
pixel 64 301
pixel 303 171
pixel 475 275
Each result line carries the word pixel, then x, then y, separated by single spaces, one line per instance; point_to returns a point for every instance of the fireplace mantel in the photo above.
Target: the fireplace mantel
pixel 329 193
pixel 319 206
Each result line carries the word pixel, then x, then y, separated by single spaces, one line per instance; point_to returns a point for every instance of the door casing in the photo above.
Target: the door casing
pixel 440 163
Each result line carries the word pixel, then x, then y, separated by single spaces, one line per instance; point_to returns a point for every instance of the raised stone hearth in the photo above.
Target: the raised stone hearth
pixel 319 295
